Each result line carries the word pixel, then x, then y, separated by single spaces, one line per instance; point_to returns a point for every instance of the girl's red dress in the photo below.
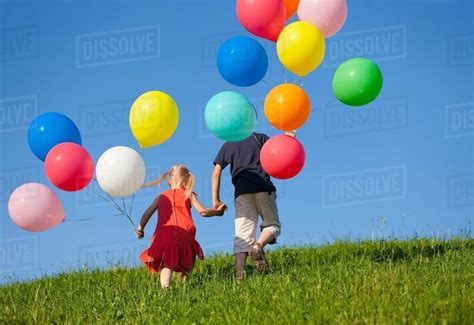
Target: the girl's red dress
pixel 173 244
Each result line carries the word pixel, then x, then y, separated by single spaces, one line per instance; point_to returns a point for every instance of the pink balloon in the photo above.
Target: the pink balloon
pixel 282 157
pixel 69 166
pixel 263 18
pixel 35 207
pixel 328 15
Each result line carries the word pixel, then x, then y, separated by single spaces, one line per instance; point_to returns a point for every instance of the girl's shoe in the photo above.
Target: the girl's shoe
pixel 258 255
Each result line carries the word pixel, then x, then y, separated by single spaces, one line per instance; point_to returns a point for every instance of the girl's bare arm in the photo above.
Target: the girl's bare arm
pixel 146 217
pixel 204 211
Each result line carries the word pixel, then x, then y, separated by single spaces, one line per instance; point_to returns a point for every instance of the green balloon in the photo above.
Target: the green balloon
pixel 357 82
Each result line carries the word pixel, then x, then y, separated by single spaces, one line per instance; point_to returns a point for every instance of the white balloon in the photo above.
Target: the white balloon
pixel 120 171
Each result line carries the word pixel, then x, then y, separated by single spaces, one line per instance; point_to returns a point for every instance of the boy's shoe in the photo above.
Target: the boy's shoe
pixel 258 255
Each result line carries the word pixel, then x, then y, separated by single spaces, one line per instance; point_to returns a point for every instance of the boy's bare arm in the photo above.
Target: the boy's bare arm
pixel 216 185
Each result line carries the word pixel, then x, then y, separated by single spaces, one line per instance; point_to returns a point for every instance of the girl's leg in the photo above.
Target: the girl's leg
pixel 179 277
pixel 165 277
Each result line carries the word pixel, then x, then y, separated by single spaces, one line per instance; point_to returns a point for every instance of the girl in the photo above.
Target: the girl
pixel 173 245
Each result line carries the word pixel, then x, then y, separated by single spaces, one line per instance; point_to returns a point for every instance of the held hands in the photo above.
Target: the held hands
pixel 220 207
pixel 291 134
pixel 140 232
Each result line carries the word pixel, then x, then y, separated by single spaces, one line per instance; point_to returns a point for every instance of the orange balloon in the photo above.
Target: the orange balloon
pixel 291 6
pixel 287 107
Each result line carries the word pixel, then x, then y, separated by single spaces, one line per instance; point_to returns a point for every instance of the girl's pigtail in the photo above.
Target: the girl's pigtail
pixel 189 185
pixel 157 181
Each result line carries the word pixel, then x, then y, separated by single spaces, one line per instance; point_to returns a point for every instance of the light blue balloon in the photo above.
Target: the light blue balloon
pixel 230 116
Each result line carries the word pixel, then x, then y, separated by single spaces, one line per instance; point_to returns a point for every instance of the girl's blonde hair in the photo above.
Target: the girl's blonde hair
pixel 179 174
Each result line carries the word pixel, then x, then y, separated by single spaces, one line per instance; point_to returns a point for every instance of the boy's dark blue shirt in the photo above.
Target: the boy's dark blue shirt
pixel 243 157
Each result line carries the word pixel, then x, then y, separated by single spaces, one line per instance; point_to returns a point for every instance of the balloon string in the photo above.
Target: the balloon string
pixel 131 205
pixel 284 73
pixel 264 81
pixel 116 205
pixel 83 219
pixel 324 105
pixel 123 203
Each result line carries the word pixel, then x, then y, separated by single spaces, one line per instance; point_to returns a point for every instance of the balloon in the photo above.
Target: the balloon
pixel 50 129
pixel 242 61
pixel 328 15
pixel 263 18
pixel 282 157
pixel 357 82
pixel 230 116
pixel 291 6
pixel 287 107
pixel 153 118
pixel 69 167
pixel 120 171
pixel 301 48
pixel 35 207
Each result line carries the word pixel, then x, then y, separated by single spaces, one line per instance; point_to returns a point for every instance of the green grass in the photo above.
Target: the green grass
pixel 418 281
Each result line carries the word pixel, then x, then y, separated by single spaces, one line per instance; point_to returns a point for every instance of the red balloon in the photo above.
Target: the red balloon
pixel 263 18
pixel 282 157
pixel 69 166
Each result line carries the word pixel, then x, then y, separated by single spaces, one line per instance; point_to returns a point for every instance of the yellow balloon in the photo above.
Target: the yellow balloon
pixel 301 47
pixel 153 118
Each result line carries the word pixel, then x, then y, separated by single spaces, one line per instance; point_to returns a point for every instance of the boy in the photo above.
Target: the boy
pixel 254 195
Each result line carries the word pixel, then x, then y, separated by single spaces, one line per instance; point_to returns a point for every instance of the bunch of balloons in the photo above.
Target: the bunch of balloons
pixel 120 171
pixel 242 61
pixel 55 140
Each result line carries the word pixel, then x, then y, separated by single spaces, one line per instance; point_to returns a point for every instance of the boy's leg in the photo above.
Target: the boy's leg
pixel 266 236
pixel 267 208
pixel 246 220
pixel 240 260
pixel 165 277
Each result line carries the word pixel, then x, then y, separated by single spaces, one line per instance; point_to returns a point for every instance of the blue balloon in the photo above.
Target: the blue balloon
pixel 242 61
pixel 230 116
pixel 50 129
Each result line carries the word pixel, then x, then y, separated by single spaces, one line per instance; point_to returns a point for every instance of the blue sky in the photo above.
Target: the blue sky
pixel 401 165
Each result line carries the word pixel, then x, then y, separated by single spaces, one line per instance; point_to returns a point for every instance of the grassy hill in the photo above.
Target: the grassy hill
pixel 424 281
